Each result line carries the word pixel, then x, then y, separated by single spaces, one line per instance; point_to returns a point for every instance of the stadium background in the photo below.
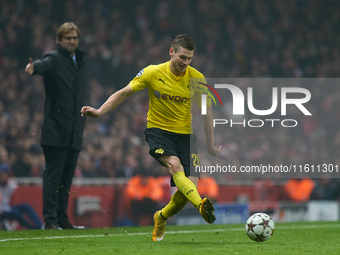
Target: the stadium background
pixel 294 38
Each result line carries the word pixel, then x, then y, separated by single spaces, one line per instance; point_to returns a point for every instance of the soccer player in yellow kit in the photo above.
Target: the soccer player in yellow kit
pixel 172 90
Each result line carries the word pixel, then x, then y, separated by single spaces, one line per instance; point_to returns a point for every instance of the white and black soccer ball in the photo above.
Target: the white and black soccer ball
pixel 260 227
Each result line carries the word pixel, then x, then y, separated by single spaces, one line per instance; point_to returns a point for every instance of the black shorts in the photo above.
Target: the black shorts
pixel 183 146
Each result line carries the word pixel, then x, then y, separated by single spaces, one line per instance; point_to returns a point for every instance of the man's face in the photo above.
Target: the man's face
pixel 180 60
pixel 70 41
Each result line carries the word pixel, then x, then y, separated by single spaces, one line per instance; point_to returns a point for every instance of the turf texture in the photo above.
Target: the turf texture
pixel 288 238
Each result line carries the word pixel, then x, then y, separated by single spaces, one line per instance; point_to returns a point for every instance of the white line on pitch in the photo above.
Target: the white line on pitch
pixel 167 232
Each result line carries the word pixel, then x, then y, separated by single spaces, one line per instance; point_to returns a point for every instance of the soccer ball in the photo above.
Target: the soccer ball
pixel 260 227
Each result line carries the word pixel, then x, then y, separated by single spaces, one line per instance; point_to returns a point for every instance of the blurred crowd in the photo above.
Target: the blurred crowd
pixel 234 38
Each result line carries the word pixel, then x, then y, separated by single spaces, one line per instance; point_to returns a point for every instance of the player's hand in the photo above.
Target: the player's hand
pixel 89 111
pixel 30 67
pixel 215 150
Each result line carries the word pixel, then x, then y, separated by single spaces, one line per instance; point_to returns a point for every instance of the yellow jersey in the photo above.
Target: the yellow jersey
pixel 170 96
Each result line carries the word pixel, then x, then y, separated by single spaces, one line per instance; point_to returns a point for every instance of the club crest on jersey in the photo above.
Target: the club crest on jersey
pixel 159 151
pixel 140 73
pixel 157 94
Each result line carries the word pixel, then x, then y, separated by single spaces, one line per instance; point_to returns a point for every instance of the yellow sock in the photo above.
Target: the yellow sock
pixel 177 203
pixel 188 188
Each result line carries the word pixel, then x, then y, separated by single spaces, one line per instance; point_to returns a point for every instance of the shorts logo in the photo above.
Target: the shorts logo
pixel 159 151
pixel 157 94
pixel 140 73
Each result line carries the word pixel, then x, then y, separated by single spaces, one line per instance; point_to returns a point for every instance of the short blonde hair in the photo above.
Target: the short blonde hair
pixel 66 28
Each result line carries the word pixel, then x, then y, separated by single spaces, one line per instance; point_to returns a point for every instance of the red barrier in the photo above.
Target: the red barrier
pixel 96 219
pixel 91 219
pixel 111 203
pixel 231 193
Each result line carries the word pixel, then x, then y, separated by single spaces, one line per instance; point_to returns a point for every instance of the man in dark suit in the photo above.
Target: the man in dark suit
pixel 65 80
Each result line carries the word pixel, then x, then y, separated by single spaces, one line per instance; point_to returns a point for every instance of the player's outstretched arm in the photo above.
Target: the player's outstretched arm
pixel 112 102
pixel 213 149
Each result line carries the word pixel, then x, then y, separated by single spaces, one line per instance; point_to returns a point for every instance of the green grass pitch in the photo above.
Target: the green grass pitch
pixel 288 238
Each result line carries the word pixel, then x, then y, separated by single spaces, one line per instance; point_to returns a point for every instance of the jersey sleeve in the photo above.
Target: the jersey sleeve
pixel 142 79
pixel 200 89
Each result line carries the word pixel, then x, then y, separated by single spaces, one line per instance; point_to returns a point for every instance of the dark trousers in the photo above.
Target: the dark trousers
pixel 57 180
pixel 18 213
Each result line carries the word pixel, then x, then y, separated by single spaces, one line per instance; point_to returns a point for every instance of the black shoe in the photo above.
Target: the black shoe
pixel 51 226
pixel 68 225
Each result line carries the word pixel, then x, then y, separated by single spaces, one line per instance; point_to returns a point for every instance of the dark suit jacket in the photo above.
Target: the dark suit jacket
pixel 66 89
